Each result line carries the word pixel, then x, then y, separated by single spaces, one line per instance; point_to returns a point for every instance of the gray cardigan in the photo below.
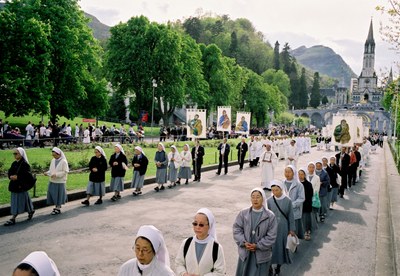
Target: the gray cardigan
pixel 265 234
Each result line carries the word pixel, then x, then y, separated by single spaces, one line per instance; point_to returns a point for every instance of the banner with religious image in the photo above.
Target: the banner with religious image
pixel 196 123
pixel 344 130
pixel 243 122
pixel 224 118
pixel 359 130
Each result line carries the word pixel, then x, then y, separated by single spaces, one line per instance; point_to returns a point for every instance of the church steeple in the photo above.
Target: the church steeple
pixel 369 54
pixel 370 42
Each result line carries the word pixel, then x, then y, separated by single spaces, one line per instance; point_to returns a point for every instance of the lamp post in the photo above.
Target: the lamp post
pixel 152 105
pixel 395 114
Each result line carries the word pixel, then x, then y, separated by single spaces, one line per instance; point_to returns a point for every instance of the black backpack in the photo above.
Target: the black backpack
pixel 214 253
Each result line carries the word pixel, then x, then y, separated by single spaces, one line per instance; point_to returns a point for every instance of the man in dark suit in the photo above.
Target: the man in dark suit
pixel 242 148
pixel 343 161
pixel 224 150
pixel 197 160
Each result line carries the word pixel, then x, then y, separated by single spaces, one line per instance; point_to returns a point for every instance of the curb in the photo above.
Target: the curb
pixel 80 194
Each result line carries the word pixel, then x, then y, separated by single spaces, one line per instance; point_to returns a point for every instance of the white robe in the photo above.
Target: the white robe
pixel 155 268
pixel 291 152
pixel 86 136
pixel 268 168
pixel 252 150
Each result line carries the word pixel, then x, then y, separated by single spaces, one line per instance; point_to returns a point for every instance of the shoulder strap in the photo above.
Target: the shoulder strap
pixel 280 210
pixel 215 254
pixel 186 246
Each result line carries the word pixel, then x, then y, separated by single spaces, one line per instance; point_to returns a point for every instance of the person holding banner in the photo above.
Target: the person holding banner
pixel 197 157
pixel 242 148
pixel 224 150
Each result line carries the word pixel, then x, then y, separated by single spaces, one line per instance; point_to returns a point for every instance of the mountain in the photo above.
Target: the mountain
pixel 325 61
pixel 100 30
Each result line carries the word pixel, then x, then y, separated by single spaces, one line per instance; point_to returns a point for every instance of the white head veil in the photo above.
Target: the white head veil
pixel 41 263
pixel 162 145
pixel 311 163
pixel 188 147
pixel 100 149
pixel 120 148
pixel 59 152
pixel 280 184
pixel 176 150
pixel 157 240
pixel 23 154
pixel 261 191
pixel 211 222
pixel 140 149
pixel 295 175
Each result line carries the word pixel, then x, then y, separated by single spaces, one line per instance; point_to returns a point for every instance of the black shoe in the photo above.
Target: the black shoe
pixel 187 182
pixel 198 180
pixel 341 196
pixel 99 201
pixel 218 173
pixel 162 187
pixel 10 222
pixel 195 179
pixel 30 215
pixel 118 196
pixel 178 182
pixel 156 189
pixel 85 202
pixel 114 198
pixel 170 186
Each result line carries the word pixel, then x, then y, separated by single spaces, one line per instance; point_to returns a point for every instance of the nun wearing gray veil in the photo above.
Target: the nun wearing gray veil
pixel 18 173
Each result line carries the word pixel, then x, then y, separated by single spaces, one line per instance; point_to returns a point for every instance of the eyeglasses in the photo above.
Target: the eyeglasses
pixel 144 251
pixel 199 224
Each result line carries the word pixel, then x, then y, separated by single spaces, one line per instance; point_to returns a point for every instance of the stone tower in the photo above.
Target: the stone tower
pixel 364 89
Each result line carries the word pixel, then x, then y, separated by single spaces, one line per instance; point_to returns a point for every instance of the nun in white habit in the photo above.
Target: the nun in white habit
pixel 58 171
pixel 37 263
pixel 196 254
pixel 18 174
pixel 152 257
pixel 185 170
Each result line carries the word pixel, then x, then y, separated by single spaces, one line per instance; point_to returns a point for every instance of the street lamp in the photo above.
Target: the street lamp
pixel 152 105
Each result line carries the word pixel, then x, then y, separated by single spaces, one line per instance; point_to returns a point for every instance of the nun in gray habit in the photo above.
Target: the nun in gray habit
pixel 20 200
pixel 255 231
pixel 161 160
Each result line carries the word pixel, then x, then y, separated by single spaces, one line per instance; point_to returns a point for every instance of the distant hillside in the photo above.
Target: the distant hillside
pixel 100 30
pixel 325 61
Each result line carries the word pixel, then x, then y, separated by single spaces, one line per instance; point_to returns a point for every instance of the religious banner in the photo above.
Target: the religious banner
pixel 344 130
pixel 224 118
pixel 243 122
pixel 359 130
pixel 196 123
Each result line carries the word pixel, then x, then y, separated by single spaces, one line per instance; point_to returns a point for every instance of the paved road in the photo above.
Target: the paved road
pixel 96 240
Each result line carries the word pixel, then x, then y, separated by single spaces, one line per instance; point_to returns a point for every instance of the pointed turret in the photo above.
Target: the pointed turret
pixel 370 38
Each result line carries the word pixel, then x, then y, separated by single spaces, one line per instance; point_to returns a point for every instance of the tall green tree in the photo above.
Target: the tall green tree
pixel 315 96
pixel 294 99
pixel 277 63
pixel 286 59
pixel 278 78
pixel 194 27
pixel 303 91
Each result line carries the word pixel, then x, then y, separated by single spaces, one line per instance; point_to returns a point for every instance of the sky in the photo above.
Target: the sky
pixel 339 24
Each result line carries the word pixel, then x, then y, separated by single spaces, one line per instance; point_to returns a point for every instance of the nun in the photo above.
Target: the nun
pixel 18 173
pixel 152 257
pixel 174 161
pixel 281 206
pixel 295 191
pixel 118 163
pixel 255 232
pixel 37 263
pixel 161 161
pixel 139 163
pixel 58 172
pixel 185 170
pixel 97 176
pixel 309 222
pixel 201 254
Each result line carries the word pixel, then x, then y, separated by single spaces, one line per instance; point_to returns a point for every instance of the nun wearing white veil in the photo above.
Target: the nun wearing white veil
pixel 18 173
pixel 201 254
pixel 139 163
pixel 174 162
pixel 185 170
pixel 152 257
pixel 37 263
pixel 161 161
pixel 255 231
pixel 58 171
pixel 281 205
pixel 97 176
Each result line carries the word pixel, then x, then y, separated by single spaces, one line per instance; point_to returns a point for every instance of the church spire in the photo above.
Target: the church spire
pixel 370 38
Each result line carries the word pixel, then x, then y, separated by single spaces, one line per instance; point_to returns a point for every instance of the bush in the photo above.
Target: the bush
pixel 36 167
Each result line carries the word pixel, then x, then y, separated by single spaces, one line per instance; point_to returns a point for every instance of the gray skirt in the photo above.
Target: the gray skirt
pixel 56 194
pixel 137 180
pixel 250 267
pixel 185 172
pixel 309 221
pixel 161 176
pixel 21 203
pixel 117 184
pixel 96 188
pixel 172 172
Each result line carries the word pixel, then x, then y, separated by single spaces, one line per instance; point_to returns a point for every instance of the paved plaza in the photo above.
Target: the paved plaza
pixel 97 240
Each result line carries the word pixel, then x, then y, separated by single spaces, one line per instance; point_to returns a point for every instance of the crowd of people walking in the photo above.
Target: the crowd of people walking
pixel 266 234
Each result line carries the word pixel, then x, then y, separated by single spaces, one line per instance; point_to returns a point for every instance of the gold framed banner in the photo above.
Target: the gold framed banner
pixel 196 123
pixel 344 130
pixel 224 118
pixel 243 122
pixel 359 130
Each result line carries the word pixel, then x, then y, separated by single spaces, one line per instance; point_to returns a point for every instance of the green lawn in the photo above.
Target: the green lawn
pixel 40 158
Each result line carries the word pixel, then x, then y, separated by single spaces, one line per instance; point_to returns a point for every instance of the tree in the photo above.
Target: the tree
pixel 278 78
pixel 315 97
pixel 233 47
pixel 294 99
pixel 324 100
pixel 391 31
pixel 277 64
pixel 194 27
pixel 24 60
pixel 286 59
pixel 303 93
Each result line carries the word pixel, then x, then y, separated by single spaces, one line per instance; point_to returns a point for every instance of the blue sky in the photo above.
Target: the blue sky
pixel 339 24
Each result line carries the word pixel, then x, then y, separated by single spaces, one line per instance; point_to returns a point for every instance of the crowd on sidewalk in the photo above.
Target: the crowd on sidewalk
pixel 267 233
